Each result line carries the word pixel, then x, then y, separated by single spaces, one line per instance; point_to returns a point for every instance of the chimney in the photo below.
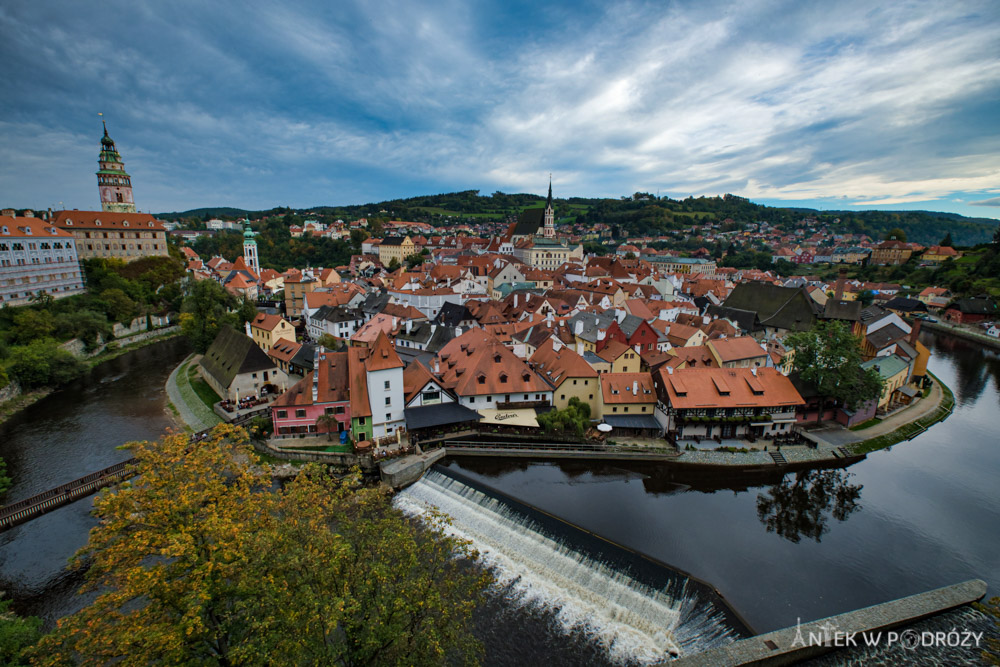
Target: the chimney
pixel 437 366
pixel 247 328
pixel 601 334
pixel 670 370
pixel 458 331
pixel 579 348
pixel 409 326
pixel 578 327
pixel 29 213
pixel 515 299
pixel 753 371
pixel 915 331
pixel 635 387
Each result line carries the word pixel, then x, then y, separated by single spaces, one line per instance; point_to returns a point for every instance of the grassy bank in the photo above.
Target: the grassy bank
pixel 912 429
pixel 108 355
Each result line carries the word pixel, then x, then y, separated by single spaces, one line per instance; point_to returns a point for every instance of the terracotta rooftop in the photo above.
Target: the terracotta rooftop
pixel 690 388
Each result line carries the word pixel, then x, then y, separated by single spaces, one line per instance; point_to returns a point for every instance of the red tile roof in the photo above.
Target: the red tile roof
pixel 476 363
pixel 628 388
pixel 727 388
pixel 107 220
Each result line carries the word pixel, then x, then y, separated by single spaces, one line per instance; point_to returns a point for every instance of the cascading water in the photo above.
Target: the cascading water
pixel 633 621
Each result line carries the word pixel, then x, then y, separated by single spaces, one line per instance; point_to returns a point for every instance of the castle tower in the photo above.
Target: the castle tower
pixel 250 249
pixel 549 231
pixel 113 181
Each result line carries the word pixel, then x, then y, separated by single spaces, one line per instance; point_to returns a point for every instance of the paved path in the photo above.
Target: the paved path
pixel 191 410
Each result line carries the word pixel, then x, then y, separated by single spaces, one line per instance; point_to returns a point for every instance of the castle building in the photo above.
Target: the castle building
pixel 36 258
pixel 116 230
pixel 113 181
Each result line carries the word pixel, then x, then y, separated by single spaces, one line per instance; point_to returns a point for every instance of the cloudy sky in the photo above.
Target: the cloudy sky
pixel 256 104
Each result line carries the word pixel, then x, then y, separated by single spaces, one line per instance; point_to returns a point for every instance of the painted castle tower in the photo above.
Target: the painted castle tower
pixel 112 180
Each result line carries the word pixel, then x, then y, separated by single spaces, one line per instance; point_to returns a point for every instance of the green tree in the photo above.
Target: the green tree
pixel 42 363
pixel 946 241
pixel 31 324
pixel 357 238
pixel 574 418
pixel 416 259
pixel 118 305
pixel 204 312
pixel 16 634
pixel 393 264
pixel 895 234
pixel 866 297
pixel 828 358
pixel 246 311
pixel 326 423
pixel 231 571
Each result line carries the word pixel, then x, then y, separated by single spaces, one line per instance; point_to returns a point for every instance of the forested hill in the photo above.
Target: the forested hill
pixel 642 214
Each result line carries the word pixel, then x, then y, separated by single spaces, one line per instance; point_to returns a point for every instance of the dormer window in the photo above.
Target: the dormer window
pixel 503 378
pixel 526 377
pixel 97 222
pixel 496 359
pixel 69 223
pixel 125 223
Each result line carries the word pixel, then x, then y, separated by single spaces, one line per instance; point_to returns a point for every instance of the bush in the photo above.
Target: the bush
pixel 42 363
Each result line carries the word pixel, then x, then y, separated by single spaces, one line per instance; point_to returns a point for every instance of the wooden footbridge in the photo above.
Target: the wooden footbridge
pixel 30 508
pixel 35 506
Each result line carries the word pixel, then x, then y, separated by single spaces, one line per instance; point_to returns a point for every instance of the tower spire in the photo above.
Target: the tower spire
pixel 113 181
pixel 548 202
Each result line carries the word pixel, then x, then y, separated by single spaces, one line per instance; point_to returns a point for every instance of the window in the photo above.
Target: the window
pixel 361 421
pixel 562 397
pixel 300 413
pixel 387 384
pixel 328 411
pixel 339 410
pixel 282 414
pixel 614 409
pixel 574 382
pixel 388 401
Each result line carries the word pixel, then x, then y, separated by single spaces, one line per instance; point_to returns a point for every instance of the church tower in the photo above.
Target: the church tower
pixel 549 230
pixel 250 249
pixel 112 180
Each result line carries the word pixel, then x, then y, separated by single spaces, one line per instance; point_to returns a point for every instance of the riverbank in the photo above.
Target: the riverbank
pixel 185 407
pixel 20 401
pixel 962 331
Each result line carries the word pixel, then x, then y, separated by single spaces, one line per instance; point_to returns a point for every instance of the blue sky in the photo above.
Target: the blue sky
pixel 258 104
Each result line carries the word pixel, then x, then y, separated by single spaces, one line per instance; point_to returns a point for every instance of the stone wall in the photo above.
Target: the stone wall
pixel 77 348
pixel 137 325
pixel 12 390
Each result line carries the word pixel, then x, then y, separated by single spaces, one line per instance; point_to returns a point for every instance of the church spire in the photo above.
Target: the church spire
pixel 548 202
pixel 549 228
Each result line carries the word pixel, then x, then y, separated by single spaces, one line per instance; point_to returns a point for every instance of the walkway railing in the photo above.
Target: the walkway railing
pixel 576 448
pixel 29 508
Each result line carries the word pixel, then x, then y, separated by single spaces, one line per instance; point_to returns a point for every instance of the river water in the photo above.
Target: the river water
pixel 921 515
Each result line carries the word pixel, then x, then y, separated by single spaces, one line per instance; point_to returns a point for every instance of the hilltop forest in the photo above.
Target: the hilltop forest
pixel 638 215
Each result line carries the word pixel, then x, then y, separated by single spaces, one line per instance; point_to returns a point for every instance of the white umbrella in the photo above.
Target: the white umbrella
pixel 604 428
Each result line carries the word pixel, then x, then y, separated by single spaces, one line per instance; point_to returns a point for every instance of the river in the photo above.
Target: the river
pixel 920 515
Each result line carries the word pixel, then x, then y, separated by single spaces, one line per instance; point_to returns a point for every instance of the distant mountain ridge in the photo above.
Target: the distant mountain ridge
pixel 639 215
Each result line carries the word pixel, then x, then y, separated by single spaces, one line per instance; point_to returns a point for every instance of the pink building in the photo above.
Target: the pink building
pixel 325 391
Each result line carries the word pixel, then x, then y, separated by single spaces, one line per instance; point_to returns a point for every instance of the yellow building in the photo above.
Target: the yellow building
pixel 620 358
pixel 894 372
pixel 569 373
pixel 395 247
pixel 627 394
pixel 266 330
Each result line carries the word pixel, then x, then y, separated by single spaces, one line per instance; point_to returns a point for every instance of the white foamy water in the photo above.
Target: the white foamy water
pixel 632 620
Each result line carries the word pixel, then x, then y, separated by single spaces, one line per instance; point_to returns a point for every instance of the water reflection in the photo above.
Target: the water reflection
pixel 974 365
pixel 800 508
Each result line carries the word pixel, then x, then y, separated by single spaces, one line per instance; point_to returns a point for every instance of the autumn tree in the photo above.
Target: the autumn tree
pixel 199 560
pixel 828 358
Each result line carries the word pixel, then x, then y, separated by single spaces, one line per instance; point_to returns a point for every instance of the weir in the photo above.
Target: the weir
pixel 638 609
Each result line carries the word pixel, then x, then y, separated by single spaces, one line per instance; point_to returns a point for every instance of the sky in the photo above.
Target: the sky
pixel 833 105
